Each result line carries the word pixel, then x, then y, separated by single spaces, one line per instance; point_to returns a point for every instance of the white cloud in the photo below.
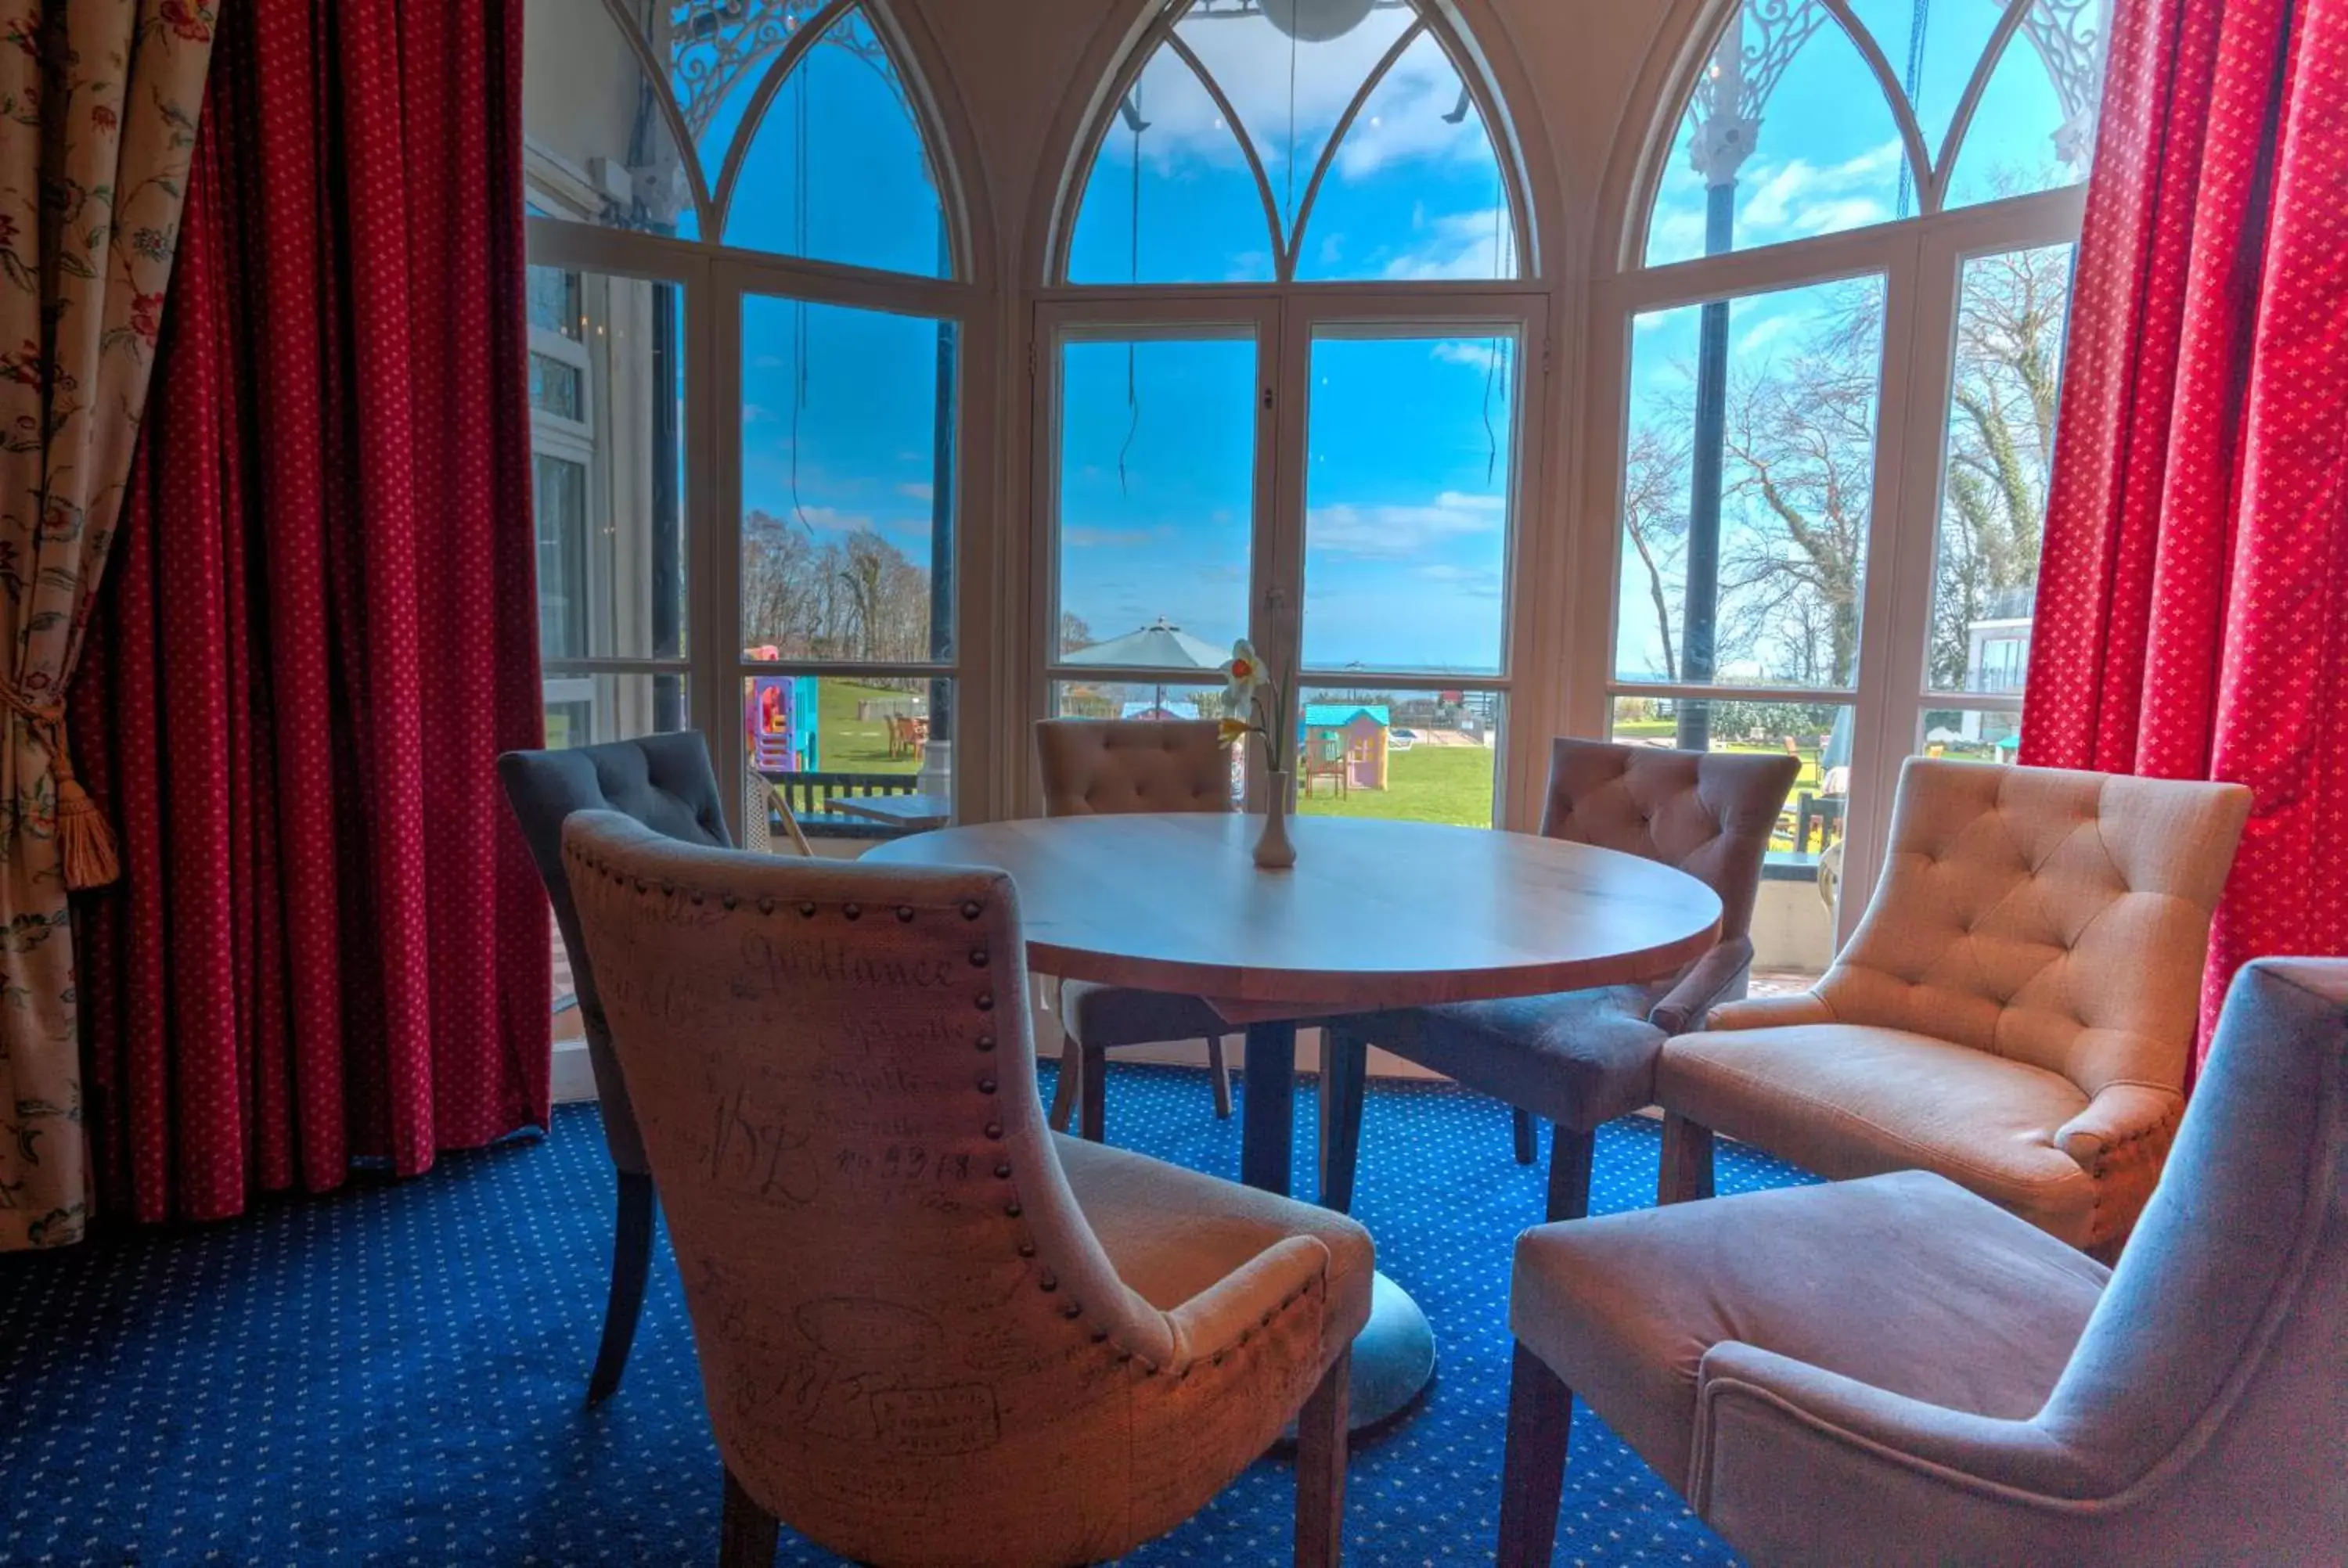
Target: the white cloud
pixel 1249 61
pixel 1765 332
pixel 919 490
pixel 1798 198
pixel 1475 355
pixel 1832 216
pixel 1388 531
pixel 1458 245
pixel 1095 538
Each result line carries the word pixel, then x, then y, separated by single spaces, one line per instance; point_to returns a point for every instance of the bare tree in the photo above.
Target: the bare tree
pixel 2001 452
pixel 1654 519
pixel 1802 474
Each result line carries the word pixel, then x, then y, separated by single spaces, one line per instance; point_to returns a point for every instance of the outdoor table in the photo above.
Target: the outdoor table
pixel 1374 915
pixel 914 813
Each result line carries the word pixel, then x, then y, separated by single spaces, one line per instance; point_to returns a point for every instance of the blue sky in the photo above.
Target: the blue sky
pixel 1410 454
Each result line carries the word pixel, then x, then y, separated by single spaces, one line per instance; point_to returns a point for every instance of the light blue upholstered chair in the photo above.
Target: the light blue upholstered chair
pixel 1895 1370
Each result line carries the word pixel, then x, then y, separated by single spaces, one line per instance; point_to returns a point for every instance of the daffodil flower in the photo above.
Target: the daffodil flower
pixel 1242 676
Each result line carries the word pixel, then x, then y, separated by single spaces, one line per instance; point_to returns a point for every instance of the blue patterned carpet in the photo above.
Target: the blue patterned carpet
pixel 393 1375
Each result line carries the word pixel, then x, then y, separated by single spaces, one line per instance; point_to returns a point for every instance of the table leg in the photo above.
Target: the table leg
pixel 1394 1356
pixel 1268 1131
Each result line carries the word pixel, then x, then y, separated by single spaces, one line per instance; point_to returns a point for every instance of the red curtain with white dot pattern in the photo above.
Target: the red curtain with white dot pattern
pixel 329 944
pixel 2192 617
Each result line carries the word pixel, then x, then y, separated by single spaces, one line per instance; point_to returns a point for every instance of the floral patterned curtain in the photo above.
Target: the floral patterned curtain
pixel 98 114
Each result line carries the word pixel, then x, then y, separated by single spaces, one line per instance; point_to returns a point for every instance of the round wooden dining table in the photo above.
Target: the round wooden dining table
pixel 1374 915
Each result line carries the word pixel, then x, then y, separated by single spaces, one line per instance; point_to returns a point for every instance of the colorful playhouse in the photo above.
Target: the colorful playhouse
pixel 780 716
pixel 1347 741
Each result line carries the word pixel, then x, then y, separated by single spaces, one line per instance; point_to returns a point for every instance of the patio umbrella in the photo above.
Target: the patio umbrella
pixel 1160 645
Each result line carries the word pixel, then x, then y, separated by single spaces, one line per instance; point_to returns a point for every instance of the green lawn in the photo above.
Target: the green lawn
pixel 846 744
pixel 1424 783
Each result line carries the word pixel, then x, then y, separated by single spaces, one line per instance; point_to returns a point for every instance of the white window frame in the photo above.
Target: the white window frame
pixel 1919 261
pixel 1284 315
pixel 713 279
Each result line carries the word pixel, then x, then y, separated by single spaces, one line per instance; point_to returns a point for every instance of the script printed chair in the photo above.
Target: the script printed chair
pixel 930 1329
pixel 667 782
pixel 1095 767
pixel 1895 1370
pixel 2015 1010
pixel 1582 1058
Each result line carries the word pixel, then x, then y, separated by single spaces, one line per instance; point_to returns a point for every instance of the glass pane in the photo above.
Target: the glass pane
pixel 1786 135
pixel 838 170
pixel 1407 501
pixel 2035 128
pixel 1932 50
pixel 589 710
pixel 1746 494
pixel 1169 198
pixel 556 388
pixel 1970 735
pixel 555 304
pixel 1288 69
pixel 1415 190
pixel 1157 499
pixel 848 464
pixel 608 454
pixel 1109 699
pixel 2011 311
pixel 1408 756
pixel 597 144
pixel 856 759
pixel 1794 918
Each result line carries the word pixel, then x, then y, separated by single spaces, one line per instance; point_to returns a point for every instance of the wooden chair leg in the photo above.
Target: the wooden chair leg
pixel 1320 1467
pixel 1092 1093
pixel 1064 1092
pixel 745 1532
pixel 1219 1073
pixel 1344 1082
pixel 631 1262
pixel 1687 1160
pixel 1527 1133
pixel 1572 1152
pixel 1532 1475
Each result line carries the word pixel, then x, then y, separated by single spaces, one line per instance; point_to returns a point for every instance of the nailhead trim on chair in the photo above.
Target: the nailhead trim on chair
pixel 1047 1281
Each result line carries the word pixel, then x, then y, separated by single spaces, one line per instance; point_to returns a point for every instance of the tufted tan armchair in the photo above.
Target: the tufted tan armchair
pixel 1095 767
pixel 2014 1011
pixel 929 1330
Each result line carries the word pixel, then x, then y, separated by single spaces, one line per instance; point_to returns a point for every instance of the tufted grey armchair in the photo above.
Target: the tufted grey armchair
pixel 667 782
pixel 1582 1058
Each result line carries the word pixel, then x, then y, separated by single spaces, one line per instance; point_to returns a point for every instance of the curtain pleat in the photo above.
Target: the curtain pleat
pixel 332 947
pixel 2190 618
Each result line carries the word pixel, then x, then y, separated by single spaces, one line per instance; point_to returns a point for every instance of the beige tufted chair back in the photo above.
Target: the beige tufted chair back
pixel 1097 767
pixel 905 1325
pixel 1710 813
pixel 2053 917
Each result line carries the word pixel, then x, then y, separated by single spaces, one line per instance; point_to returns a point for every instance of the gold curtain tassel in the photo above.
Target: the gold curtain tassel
pixel 86 846
pixel 85 838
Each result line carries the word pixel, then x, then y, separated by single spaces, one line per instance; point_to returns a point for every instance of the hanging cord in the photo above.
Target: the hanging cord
pixel 1290 173
pixel 1492 361
pixel 1133 275
pixel 1918 22
pixel 798 307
